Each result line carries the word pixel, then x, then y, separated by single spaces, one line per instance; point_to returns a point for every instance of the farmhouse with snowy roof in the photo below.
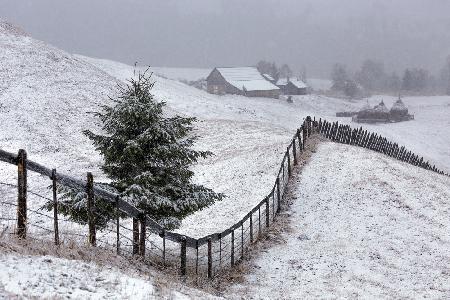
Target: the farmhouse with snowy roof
pixel 291 86
pixel 245 81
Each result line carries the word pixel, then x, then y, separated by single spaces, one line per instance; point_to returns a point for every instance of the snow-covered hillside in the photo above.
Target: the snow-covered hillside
pixel 361 226
pixel 47 94
pixel 45 97
pixel 48 277
pixel 249 136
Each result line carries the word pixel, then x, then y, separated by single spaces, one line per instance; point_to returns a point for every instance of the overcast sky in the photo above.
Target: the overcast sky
pixel 311 34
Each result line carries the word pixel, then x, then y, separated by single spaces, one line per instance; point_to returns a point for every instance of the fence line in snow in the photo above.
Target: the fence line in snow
pixel 203 257
pixel 359 137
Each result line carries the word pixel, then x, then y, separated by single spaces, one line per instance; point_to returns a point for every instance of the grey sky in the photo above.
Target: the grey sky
pixel 204 33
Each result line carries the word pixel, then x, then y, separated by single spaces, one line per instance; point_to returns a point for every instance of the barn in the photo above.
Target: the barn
pixel 246 81
pixel 292 86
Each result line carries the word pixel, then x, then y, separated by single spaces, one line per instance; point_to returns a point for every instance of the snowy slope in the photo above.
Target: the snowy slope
pixel 249 135
pixel 47 93
pixel 48 277
pixel 45 97
pixel 361 226
pixel 428 134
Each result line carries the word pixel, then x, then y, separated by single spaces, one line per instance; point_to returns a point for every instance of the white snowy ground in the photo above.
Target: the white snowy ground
pixel 249 135
pixel 362 226
pixel 428 134
pixel 48 277
pixel 46 95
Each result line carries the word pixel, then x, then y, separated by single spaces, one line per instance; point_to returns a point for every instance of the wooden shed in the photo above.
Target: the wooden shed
pixel 246 81
pixel 292 86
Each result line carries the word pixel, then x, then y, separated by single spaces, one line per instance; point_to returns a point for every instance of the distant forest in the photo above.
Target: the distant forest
pixel 371 78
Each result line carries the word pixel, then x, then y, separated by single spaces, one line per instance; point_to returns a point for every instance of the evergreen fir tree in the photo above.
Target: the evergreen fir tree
pixel 148 155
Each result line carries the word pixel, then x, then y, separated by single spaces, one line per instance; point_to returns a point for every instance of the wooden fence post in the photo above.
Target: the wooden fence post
pixel 259 221
pixel 220 250
pixel 294 151
pixel 289 163
pixel 267 213
pixel 22 194
pixel 300 146
pixel 135 236
pixel 210 263
pixel 91 208
pixel 242 239
pixel 164 247
pixel 55 208
pixel 117 226
pixel 251 227
pixel 183 256
pixel 278 195
pixel 142 238
pixel 196 258
pixel 232 247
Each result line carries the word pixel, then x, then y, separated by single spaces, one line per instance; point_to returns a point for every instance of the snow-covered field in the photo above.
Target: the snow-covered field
pixel 362 226
pixel 48 277
pixel 46 96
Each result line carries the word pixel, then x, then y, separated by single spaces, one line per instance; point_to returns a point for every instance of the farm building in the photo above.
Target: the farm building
pixel 292 86
pixel 269 78
pixel 399 111
pixel 381 114
pixel 246 81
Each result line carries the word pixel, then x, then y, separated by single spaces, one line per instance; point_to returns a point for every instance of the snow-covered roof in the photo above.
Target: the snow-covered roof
pixel 381 108
pixel 399 106
pixel 282 81
pixel 296 82
pixel 268 77
pixel 366 107
pixel 246 78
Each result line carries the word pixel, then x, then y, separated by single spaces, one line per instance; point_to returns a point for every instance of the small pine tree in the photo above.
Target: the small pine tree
pixel 148 156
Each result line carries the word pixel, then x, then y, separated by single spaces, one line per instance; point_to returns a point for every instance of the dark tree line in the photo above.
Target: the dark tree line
pixel 372 78
pixel 271 68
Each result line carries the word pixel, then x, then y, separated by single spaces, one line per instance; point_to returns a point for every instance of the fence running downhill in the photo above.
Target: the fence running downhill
pixel 137 234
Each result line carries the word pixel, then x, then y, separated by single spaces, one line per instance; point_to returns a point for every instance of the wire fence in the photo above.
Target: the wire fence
pixel 133 233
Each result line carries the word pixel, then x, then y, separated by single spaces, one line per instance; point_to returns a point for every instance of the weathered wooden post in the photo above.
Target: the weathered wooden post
pixel 210 263
pixel 300 145
pixel 259 221
pixel 135 236
pixel 55 208
pixel 220 250
pixel 267 213
pixel 251 227
pixel 91 208
pixel 242 239
pixel 232 247
pixel 278 195
pixel 289 163
pixel 22 194
pixel 183 256
pixel 196 257
pixel 163 233
pixel 294 151
pixel 142 238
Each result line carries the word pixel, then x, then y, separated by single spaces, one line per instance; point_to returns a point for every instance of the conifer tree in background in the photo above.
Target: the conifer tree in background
pixel 148 155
